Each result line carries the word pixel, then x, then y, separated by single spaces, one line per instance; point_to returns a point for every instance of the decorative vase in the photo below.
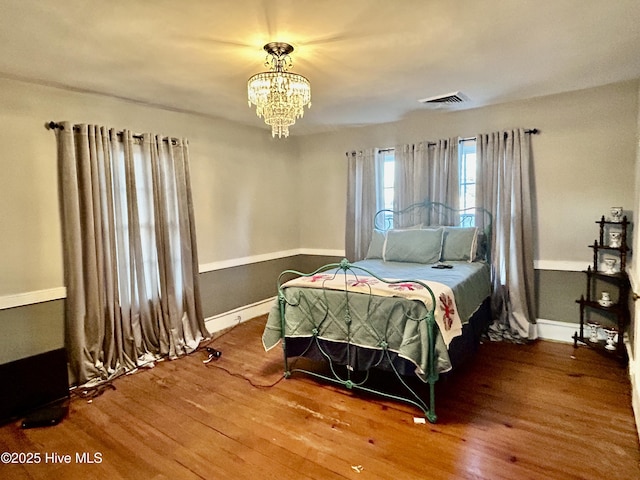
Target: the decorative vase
pixel 610 265
pixel 614 239
pixel 593 331
pixel 611 338
pixel 616 214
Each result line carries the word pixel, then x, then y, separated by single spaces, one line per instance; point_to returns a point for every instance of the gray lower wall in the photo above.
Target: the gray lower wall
pixel 37 328
pixel 31 329
pixel 230 288
pixel 557 292
pixel 224 290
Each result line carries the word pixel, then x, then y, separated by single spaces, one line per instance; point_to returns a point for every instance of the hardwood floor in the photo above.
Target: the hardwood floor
pixel 541 411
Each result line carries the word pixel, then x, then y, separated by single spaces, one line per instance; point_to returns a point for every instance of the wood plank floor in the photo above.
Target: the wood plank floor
pixel 541 411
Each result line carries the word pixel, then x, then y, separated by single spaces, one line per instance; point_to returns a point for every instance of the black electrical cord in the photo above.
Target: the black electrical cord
pixel 213 354
pixel 89 393
pixel 247 379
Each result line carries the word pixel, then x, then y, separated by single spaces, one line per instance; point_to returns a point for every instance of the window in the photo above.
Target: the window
pixel 141 175
pixel 147 259
pixel 385 182
pixel 467 180
pixel 467 158
pixel 387 159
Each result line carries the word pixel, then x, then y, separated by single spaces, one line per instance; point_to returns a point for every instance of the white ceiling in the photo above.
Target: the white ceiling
pixel 368 61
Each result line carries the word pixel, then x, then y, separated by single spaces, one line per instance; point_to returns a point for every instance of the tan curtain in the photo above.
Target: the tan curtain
pixel 361 203
pixel 504 188
pixel 437 172
pixel 426 171
pixel 403 185
pixel 131 263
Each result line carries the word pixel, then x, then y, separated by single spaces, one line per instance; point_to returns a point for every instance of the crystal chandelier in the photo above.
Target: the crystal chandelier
pixel 279 96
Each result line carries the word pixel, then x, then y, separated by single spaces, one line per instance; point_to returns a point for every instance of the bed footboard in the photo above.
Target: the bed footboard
pixel 351 309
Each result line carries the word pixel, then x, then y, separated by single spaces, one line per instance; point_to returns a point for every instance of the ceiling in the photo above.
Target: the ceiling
pixel 368 61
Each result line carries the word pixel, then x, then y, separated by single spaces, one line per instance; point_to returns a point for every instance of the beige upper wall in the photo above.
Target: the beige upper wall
pixel 243 180
pixel 254 195
pixel 583 163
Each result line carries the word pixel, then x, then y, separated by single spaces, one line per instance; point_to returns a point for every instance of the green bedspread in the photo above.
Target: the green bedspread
pixel 470 281
pixel 374 320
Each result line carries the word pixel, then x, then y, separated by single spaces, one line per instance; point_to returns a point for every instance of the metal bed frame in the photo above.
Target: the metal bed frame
pixel 344 268
pixel 383 221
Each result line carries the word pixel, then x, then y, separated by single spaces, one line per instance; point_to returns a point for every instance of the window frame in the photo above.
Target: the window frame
pixel 466 182
pixel 467 168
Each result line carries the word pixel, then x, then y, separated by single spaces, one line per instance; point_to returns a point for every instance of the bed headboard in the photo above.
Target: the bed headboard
pixel 427 213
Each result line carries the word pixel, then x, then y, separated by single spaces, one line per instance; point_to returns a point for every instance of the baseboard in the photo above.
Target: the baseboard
pixel 635 401
pixel 560 331
pixel 634 371
pixel 635 404
pixel 556 331
pixel 238 315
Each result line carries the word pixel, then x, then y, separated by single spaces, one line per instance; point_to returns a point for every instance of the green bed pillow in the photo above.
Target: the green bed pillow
pixel 417 246
pixel 376 246
pixel 459 243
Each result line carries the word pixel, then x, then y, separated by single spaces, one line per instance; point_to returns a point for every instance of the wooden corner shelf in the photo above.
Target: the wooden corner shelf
pixel 610 252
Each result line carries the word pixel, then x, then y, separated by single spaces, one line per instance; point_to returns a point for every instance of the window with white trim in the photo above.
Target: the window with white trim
pixel 467 179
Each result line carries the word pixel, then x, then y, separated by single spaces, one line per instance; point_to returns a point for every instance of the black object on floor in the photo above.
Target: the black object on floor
pixel 47 416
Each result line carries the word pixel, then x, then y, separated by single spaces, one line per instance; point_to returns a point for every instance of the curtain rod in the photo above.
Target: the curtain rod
pixel 530 131
pixel 53 125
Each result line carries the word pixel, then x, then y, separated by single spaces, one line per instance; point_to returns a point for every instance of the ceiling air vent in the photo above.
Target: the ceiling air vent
pixel 449 99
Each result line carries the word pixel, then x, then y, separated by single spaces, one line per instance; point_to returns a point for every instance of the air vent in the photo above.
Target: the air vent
pixel 454 98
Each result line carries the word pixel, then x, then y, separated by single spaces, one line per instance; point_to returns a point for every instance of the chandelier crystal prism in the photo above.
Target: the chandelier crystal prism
pixel 279 96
